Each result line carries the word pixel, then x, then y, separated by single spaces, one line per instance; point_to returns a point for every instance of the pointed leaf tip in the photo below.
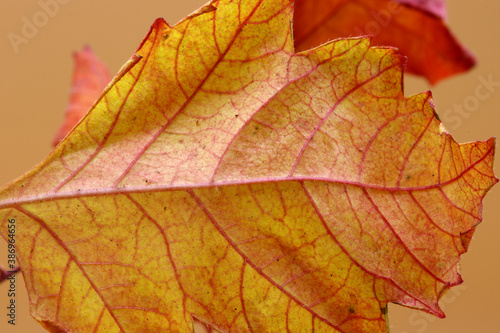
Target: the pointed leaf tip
pixel 90 77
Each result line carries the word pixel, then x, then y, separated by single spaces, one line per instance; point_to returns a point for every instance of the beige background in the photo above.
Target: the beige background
pixel 34 86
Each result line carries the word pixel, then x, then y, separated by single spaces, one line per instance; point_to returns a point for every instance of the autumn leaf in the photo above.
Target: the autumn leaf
pixel 90 77
pixel 4 273
pixel 416 27
pixel 434 7
pixel 224 177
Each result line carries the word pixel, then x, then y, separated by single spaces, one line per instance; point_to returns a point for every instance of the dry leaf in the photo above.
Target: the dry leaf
pixel 221 176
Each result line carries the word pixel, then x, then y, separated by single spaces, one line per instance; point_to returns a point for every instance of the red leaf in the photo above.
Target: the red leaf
pixel 416 27
pixel 90 77
pixel 435 7
pixel 4 273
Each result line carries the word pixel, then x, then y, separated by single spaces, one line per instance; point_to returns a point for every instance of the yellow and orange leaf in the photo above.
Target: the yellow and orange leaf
pixel 415 27
pixel 224 177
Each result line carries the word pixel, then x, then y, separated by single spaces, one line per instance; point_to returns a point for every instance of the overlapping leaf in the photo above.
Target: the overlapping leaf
pixel 416 27
pixel 224 177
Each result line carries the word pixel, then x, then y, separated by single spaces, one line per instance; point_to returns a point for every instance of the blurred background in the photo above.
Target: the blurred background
pixel 35 81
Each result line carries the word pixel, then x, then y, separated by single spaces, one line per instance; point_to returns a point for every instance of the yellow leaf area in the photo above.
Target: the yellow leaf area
pixel 221 176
